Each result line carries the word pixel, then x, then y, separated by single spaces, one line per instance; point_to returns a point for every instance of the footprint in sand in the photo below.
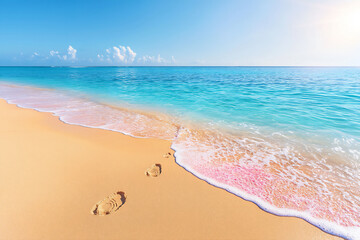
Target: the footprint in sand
pixel 167 155
pixel 109 205
pixel 153 171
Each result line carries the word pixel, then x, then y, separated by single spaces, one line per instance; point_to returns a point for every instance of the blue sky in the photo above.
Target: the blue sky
pixel 198 32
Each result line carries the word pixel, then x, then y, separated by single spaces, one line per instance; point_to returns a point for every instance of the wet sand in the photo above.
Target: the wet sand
pixel 52 174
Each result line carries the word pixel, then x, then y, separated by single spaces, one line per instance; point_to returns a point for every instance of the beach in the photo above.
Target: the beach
pixel 52 174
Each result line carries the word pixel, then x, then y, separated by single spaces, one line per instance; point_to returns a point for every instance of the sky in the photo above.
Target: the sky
pixel 180 33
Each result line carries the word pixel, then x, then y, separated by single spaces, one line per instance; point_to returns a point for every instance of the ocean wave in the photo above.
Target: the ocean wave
pixel 280 173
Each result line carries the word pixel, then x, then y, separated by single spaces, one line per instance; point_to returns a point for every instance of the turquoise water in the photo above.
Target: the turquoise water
pixel 286 138
pixel 302 99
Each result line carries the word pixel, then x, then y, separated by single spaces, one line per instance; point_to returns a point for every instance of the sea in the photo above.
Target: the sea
pixel 284 138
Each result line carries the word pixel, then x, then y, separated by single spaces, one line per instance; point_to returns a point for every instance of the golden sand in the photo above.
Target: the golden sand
pixel 52 174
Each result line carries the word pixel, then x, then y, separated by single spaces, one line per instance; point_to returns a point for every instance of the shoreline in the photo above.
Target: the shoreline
pixel 154 208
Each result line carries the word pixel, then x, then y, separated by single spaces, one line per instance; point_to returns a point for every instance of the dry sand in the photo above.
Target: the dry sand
pixel 52 174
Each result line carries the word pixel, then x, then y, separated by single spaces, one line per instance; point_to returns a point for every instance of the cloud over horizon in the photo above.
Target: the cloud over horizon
pixel 118 54
pixel 126 56
pixel 71 54
pixel 54 53
pixel 112 56
pixel 152 60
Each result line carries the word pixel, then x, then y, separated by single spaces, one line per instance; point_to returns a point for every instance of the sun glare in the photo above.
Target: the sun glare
pixel 349 20
pixel 345 24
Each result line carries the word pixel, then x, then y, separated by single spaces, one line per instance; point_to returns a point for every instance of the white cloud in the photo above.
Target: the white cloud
pixel 125 55
pixel 122 48
pixel 132 54
pixel 155 60
pixel 35 54
pixel 71 52
pixel 100 57
pixel 147 59
pixel 118 54
pixel 160 59
pixel 54 53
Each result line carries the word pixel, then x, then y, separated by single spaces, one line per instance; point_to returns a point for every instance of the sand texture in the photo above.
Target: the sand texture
pixel 57 179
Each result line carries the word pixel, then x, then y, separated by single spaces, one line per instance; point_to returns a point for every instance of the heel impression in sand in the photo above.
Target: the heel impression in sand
pixel 109 204
pixel 153 171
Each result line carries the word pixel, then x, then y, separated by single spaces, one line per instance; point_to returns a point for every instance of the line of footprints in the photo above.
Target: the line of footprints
pixel 114 201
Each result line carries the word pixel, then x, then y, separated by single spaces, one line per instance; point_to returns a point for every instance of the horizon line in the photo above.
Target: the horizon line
pixel 354 66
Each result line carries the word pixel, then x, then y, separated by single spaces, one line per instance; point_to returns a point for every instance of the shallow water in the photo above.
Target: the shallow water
pixel 286 138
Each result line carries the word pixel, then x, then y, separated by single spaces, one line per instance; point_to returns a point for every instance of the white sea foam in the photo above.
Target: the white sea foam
pixel 280 174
